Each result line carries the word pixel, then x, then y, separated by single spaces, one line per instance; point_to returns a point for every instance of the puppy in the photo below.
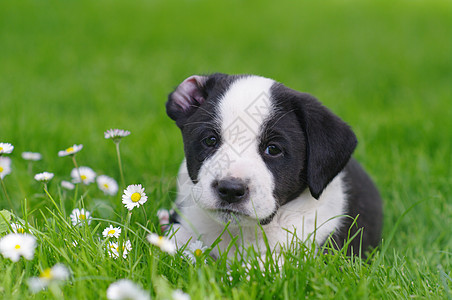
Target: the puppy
pixel 267 160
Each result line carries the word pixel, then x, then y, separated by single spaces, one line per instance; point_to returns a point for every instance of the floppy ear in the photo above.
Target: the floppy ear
pixel 330 141
pixel 187 97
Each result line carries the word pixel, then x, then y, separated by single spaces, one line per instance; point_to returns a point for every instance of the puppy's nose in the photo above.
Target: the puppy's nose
pixel 231 189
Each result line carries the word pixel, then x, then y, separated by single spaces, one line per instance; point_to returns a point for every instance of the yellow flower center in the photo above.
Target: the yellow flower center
pixel 135 197
pixel 47 273
pixel 17 246
pixel 83 177
pixel 20 230
pixel 1 148
pixel 105 185
pixel 82 217
pixel 112 231
pixel 1 169
pixel 198 252
pixel 160 241
pixel 70 149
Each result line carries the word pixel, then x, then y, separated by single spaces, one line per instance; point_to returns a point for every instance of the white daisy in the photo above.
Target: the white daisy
pixel 17 228
pixel 162 242
pixel 107 185
pixel 134 196
pixel 44 176
pixel 5 166
pixel 6 148
pixel 15 245
pixel 36 284
pixel 67 185
pixel 79 216
pixel 86 174
pixel 179 295
pixel 116 134
pixel 113 249
pixel 125 289
pixel 195 251
pixel 126 248
pixel 58 272
pixel 31 156
pixel 70 151
pixel 111 231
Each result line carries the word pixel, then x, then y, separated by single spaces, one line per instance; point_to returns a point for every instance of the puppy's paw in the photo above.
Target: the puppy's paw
pixel 163 215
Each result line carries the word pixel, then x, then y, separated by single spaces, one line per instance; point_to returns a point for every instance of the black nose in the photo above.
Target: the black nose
pixel 231 189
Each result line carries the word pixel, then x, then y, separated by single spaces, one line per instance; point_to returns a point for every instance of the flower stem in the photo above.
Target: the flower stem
pixel 78 172
pixel 144 213
pixel 6 194
pixel 127 228
pixel 118 154
pixel 76 166
pixel 55 290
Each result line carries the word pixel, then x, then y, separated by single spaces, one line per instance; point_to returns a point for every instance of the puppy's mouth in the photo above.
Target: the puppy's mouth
pixel 230 211
pixel 230 214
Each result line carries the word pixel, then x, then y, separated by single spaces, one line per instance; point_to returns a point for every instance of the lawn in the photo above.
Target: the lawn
pixel 69 70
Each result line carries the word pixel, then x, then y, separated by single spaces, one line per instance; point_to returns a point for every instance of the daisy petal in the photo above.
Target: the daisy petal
pixel 5 166
pixel 34 156
pixel 80 216
pixel 116 134
pixel 126 289
pixel 107 185
pixel 84 174
pixel 6 148
pixel 44 177
pixel 111 231
pixel 162 242
pixel 70 151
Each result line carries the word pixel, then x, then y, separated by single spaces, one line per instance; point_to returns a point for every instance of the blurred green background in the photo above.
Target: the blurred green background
pixel 69 70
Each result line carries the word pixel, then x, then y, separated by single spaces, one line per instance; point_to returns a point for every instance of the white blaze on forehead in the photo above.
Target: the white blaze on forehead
pixel 243 109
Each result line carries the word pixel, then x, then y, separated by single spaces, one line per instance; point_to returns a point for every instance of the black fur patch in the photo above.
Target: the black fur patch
pixel 329 141
pixel 288 169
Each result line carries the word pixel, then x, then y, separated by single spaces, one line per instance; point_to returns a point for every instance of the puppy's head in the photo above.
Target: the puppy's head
pixel 252 144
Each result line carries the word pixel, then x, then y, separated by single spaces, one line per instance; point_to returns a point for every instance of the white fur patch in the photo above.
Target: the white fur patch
pixel 241 113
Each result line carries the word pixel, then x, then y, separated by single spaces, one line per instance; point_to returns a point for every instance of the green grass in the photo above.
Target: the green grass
pixel 70 70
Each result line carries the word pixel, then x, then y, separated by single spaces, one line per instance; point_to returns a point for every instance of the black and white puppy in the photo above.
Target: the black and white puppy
pixel 266 158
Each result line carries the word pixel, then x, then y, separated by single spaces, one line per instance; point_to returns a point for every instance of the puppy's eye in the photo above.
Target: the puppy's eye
pixel 211 141
pixel 273 150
